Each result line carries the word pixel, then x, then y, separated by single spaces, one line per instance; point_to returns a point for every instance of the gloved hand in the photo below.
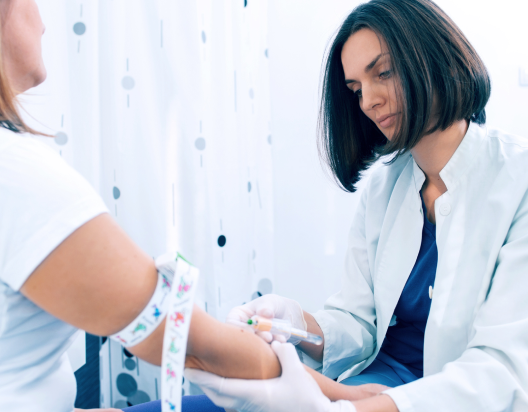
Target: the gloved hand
pixel 269 306
pixel 294 390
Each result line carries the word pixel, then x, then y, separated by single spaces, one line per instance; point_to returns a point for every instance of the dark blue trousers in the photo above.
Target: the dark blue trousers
pixel 199 403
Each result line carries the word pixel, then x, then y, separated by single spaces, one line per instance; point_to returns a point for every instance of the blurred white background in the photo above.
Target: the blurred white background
pixel 312 215
pixel 196 121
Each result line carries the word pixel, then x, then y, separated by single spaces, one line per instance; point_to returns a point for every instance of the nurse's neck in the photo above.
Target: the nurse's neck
pixel 431 154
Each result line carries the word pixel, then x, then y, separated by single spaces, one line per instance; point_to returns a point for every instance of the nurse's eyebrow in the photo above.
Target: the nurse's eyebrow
pixel 369 66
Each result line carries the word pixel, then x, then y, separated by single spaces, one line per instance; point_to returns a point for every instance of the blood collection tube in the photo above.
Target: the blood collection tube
pixel 284 328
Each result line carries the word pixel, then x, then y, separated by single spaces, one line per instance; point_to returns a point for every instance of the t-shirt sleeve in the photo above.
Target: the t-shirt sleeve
pixel 42 201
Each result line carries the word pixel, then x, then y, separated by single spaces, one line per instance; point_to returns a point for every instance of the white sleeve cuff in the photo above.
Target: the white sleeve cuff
pixel 401 399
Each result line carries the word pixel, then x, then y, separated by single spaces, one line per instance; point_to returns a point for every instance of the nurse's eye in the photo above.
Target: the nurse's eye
pixel 358 93
pixel 386 75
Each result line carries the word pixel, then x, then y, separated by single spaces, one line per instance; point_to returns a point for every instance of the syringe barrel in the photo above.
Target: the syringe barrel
pixel 283 327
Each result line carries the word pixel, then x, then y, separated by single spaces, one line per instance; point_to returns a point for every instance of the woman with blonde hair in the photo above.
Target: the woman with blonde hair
pixel 66 265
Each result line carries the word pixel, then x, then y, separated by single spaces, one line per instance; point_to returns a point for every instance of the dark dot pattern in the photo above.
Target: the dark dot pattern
pixel 266 53
pixel 265 286
pixel 249 187
pixel 199 143
pixel 204 37
pixel 130 364
pixel 222 240
pixel 251 93
pixel 128 83
pixel 126 384
pixel 269 139
pixel 61 138
pixel 127 353
pixel 116 192
pixel 79 28
pixel 120 404
pixel 256 295
pixel 138 398
pixel 254 255
pixel 245 3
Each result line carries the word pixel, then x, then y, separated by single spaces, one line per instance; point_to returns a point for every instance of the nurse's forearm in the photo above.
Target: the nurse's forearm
pixel 231 352
pixel 313 351
pixel 381 403
pixel 337 391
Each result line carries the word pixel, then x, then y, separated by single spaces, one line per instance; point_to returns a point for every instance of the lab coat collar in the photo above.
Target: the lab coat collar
pixel 460 162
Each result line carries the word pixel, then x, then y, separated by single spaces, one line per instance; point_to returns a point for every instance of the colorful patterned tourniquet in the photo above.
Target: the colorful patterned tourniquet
pixel 184 278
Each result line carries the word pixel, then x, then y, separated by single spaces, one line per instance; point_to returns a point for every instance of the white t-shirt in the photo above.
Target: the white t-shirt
pixel 42 201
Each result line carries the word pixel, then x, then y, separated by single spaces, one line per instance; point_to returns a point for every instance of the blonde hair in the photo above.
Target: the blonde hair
pixel 10 117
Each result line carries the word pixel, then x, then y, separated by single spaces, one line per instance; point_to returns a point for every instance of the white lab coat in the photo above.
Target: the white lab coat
pixel 476 339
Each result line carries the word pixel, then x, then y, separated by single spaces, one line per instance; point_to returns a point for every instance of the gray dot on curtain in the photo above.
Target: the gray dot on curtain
pixel 256 295
pixel 222 240
pixel 138 398
pixel 61 138
pixel 265 286
pixel 79 28
pixel 130 364
pixel 204 37
pixel 254 255
pixel 126 384
pixel 120 404
pixel 116 192
pixel 266 53
pixel 249 187
pixel 251 93
pixel 269 139
pixel 200 143
pixel 128 82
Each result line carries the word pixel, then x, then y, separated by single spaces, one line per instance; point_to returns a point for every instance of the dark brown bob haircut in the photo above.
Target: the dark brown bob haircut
pixel 430 58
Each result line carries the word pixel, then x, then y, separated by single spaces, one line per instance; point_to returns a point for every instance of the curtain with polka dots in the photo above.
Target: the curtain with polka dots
pixel 163 106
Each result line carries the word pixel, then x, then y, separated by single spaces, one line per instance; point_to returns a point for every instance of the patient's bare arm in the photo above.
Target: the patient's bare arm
pixel 228 351
pixel 231 352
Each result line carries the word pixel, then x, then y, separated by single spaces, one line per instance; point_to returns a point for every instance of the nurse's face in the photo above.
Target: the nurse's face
pixel 368 73
pixel 21 32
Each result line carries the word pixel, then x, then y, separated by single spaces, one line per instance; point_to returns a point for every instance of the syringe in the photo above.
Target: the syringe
pixel 284 328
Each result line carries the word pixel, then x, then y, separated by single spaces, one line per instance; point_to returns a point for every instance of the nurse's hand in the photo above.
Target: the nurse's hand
pixel 269 306
pixel 294 390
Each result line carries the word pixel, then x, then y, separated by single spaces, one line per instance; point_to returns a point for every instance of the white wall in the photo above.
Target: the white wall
pixel 312 216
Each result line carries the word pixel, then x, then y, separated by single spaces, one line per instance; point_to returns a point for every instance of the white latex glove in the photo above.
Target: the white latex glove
pixel 269 306
pixel 294 390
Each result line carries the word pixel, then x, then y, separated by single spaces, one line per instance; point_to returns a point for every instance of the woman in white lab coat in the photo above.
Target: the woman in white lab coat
pixel 433 302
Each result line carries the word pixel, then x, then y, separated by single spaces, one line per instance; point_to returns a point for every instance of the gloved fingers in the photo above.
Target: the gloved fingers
pixel 267 306
pixel 279 338
pixel 221 400
pixel 213 387
pixel 204 379
pixel 288 358
pixel 266 336
pixel 240 314
pixel 342 406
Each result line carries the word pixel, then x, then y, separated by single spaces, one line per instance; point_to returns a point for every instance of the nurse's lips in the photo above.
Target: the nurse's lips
pixel 387 121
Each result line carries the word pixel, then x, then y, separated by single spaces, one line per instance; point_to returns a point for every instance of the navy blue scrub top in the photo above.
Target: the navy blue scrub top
pixel 405 340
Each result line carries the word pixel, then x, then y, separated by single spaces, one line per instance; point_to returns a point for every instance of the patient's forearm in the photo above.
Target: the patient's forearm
pixel 228 351
pixel 235 353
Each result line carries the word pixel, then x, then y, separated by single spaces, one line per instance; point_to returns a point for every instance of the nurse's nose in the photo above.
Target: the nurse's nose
pixel 371 99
